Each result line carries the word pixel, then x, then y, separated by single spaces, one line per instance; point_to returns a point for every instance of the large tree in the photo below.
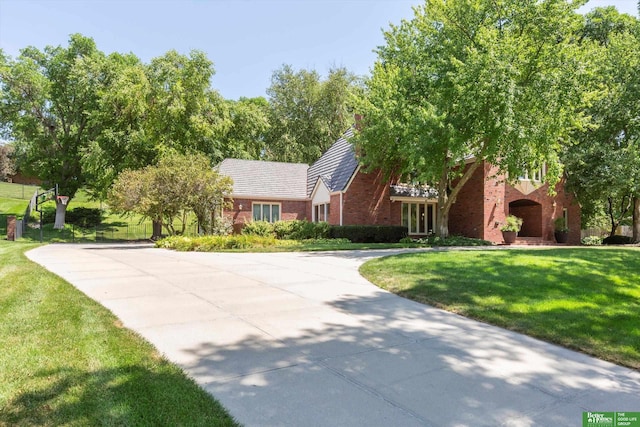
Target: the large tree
pixel 307 114
pixel 245 137
pixel 603 167
pixel 469 81
pixel 46 101
pixel 7 162
pixel 152 109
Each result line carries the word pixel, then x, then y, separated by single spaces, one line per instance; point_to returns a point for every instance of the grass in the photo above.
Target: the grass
pixel 66 360
pixel 8 207
pixel 587 299
pixel 17 191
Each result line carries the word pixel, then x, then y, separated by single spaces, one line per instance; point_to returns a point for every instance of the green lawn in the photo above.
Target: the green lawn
pixel 66 360
pixel 586 299
pixel 17 191
pixel 10 207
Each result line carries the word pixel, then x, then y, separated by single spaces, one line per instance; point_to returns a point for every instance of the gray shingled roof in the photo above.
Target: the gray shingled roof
pixel 257 178
pixel 336 166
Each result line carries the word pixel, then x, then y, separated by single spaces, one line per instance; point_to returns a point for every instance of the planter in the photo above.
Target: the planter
pixel 561 236
pixel 509 237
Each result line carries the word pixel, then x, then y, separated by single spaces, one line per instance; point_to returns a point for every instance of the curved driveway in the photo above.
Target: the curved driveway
pixel 302 339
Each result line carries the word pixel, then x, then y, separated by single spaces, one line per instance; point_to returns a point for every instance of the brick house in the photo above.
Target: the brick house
pixel 335 189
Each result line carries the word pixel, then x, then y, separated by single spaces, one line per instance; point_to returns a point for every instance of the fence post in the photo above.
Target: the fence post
pixel 11 227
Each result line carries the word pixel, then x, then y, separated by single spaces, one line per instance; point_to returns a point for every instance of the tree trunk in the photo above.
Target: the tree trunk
pixel 442 213
pixel 636 220
pixel 446 199
pixel 61 211
pixel 157 230
pixel 442 218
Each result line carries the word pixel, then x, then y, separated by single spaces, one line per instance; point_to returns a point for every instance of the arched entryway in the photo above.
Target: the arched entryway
pixel 531 214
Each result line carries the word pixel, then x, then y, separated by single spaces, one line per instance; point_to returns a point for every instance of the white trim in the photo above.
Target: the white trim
pixel 326 206
pixel 320 184
pixel 341 193
pixel 353 176
pixel 429 207
pixel 267 198
pixel 412 199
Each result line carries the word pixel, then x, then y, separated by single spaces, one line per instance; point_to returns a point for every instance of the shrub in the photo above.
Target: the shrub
pixel 511 223
pixel 84 217
pixel 300 230
pixel 453 241
pixel 591 240
pixel 80 216
pixel 617 240
pixel 213 243
pixel 288 229
pixel 258 228
pixel 313 230
pixel 222 226
pixel 560 225
pixel 369 233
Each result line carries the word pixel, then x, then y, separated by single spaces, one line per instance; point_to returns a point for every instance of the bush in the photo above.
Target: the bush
pixel 258 228
pixel 453 241
pixel 213 243
pixel 591 240
pixel 80 216
pixel 84 217
pixel 288 230
pixel 617 240
pixel 222 226
pixel 313 230
pixel 369 233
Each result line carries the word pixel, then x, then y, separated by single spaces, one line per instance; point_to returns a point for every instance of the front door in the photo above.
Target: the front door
pixel 419 217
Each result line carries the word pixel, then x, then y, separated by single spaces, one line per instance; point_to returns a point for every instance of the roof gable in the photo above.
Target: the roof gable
pixel 256 178
pixel 336 166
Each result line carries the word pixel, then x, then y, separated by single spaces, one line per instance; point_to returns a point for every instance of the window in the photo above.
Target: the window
pixel 419 218
pixel 321 212
pixel 534 175
pixel 269 212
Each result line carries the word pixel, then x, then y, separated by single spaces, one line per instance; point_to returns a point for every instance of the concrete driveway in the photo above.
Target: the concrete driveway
pixel 301 339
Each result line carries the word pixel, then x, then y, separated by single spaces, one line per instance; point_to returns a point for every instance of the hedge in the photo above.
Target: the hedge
pixel 368 233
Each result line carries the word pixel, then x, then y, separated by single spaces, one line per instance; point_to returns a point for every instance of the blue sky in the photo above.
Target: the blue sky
pixel 246 39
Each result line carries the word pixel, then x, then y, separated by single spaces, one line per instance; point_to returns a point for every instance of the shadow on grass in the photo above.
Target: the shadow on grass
pixel 130 395
pixel 585 299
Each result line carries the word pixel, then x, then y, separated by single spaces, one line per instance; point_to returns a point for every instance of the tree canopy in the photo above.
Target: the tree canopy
pixel 603 167
pixel 468 81
pixel 307 114
pixel 46 102
pixel 168 191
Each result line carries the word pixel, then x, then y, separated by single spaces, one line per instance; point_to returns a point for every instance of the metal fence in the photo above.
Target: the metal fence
pixel 109 233
pixel 17 191
pixel 623 230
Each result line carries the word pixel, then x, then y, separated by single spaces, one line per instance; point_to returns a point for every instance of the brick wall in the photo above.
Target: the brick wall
pixel 495 209
pixel 289 210
pixel 551 207
pixel 367 201
pixel 467 213
pixel 483 204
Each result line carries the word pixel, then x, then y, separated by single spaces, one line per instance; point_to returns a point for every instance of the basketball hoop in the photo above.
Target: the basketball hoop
pixel 63 199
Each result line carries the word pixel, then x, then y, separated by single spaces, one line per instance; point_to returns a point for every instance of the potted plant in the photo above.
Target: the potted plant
pixel 510 228
pixel 561 231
